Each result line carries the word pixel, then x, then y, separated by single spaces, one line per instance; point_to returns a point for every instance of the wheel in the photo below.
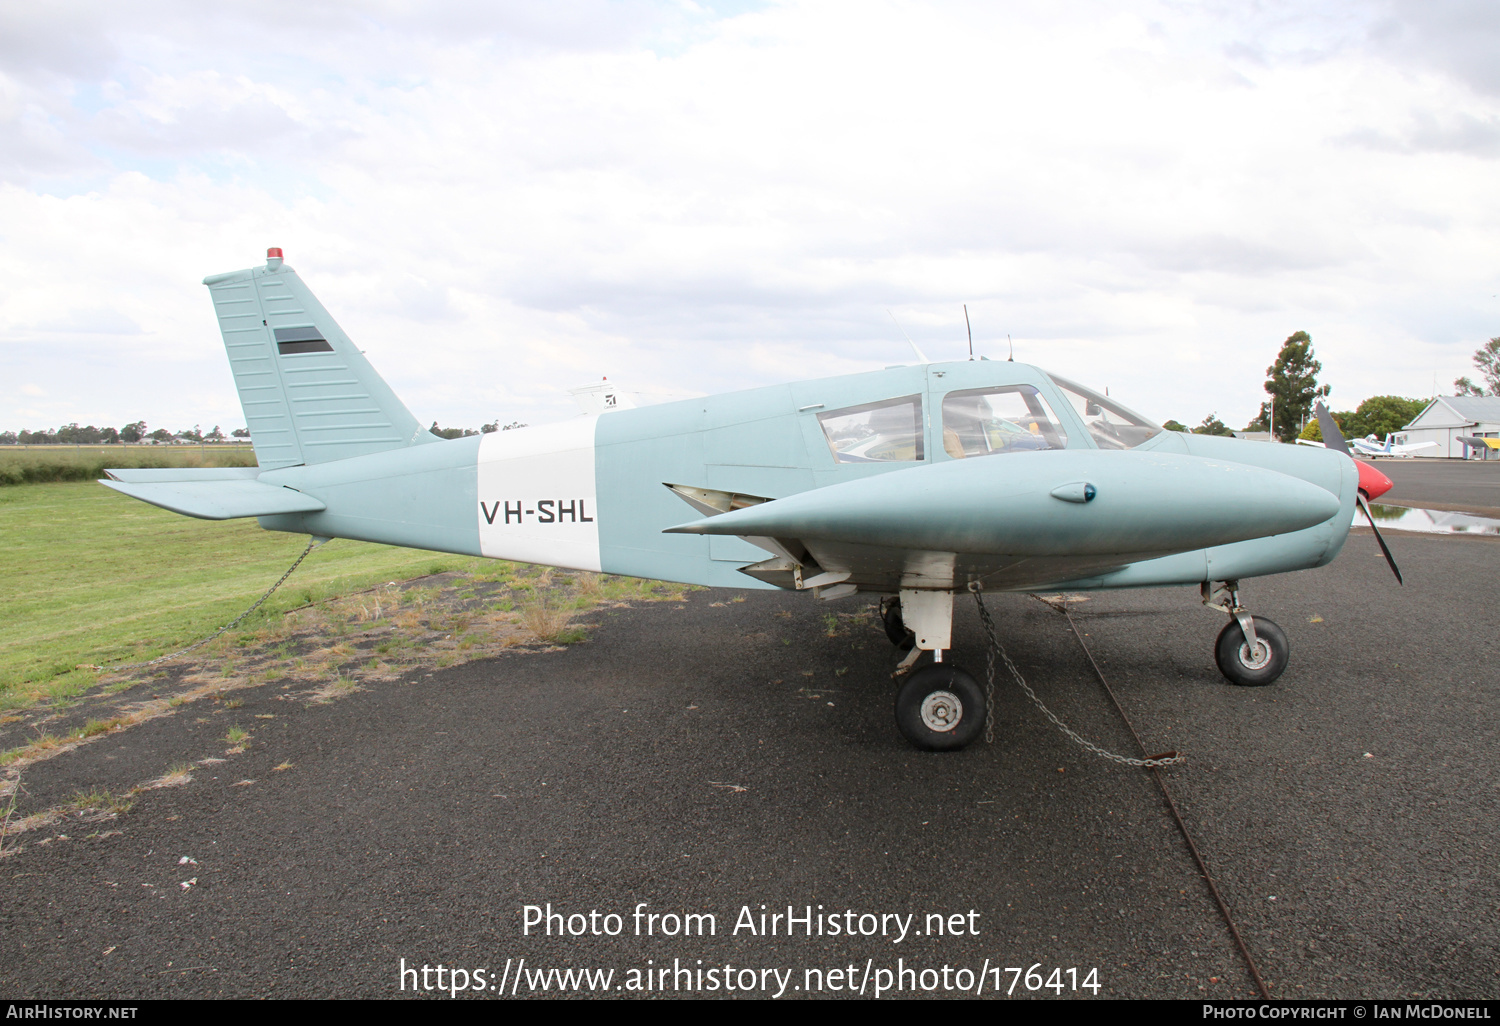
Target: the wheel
pixel 895 627
pixel 1251 669
pixel 940 708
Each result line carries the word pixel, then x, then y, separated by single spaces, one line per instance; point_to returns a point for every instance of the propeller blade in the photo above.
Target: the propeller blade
pixel 1333 438
pixel 1371 518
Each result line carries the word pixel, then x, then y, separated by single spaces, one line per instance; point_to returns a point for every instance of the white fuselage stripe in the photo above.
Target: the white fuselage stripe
pixel 537 495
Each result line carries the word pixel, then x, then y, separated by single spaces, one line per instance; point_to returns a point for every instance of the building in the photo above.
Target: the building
pixel 1449 416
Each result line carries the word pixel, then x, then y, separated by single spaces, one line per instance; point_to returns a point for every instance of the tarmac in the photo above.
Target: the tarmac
pixel 716 756
pixel 1469 486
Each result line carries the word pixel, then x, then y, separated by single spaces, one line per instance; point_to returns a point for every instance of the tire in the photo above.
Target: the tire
pixel 895 626
pixel 940 708
pixel 1239 665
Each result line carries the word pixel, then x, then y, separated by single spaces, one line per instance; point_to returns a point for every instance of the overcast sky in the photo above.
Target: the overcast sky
pixel 503 201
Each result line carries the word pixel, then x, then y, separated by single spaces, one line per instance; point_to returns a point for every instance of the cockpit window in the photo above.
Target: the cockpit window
pixel 1111 425
pixel 883 432
pixel 985 421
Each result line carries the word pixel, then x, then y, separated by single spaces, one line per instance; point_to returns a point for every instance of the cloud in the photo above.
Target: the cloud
pixel 1455 38
pixel 501 202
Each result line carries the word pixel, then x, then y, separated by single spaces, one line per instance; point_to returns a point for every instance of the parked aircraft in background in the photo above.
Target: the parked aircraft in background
pixel 1372 447
pixel 913 483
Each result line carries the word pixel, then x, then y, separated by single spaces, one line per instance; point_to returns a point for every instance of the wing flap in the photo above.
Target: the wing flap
pixel 220 500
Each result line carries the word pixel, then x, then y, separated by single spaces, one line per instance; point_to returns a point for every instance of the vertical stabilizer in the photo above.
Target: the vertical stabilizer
pixel 308 394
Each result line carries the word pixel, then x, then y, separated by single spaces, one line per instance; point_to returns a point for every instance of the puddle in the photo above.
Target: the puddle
pixel 1428 521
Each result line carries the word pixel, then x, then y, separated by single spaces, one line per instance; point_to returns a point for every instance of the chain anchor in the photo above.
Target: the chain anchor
pixel 1164 759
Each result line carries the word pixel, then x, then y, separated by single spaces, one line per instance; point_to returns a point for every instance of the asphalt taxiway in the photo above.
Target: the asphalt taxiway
pixel 717 755
pixel 1470 486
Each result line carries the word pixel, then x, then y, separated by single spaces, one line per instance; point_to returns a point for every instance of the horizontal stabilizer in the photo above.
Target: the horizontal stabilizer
pixel 157 475
pixel 220 500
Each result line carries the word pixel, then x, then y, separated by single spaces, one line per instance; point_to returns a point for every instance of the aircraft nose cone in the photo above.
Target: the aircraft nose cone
pixel 1371 481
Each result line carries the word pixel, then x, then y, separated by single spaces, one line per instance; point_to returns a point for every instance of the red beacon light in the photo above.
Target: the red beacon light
pixel 273 257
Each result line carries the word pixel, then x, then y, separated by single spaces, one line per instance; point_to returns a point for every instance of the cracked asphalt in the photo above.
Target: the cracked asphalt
pixel 714 755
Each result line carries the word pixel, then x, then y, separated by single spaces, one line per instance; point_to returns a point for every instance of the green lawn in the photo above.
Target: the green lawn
pixel 88 575
pixel 44 463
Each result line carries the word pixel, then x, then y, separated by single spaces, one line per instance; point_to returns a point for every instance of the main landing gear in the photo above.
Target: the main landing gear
pixel 939 708
pixel 1251 650
pixel 942 708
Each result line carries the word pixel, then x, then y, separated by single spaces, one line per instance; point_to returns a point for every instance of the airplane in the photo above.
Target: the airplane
pixel 1372 447
pixel 913 483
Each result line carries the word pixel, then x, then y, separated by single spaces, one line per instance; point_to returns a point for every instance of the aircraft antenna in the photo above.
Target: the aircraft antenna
pixel 921 356
pixel 970 330
pixel 1012 345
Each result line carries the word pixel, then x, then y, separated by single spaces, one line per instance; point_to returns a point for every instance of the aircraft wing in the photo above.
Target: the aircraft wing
pixel 1013 521
pixel 1407 450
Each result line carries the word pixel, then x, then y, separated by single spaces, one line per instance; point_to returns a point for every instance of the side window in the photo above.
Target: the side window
pixel 883 432
pixel 1111 425
pixel 985 421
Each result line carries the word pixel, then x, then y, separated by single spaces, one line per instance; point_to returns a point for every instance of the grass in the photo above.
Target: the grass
pixel 97 800
pixel 48 463
pixel 8 813
pixel 546 622
pixel 175 776
pixel 237 736
pixel 93 577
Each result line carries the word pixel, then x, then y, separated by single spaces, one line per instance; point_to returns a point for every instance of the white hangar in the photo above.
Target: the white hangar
pixel 1450 417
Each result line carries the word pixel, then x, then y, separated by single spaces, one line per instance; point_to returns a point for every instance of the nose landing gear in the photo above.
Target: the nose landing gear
pixel 1251 651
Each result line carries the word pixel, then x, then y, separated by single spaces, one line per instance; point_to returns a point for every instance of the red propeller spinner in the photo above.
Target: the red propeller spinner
pixel 1371 481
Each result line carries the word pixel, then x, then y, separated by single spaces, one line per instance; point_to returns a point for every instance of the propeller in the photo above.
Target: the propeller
pixel 1360 498
pixel 1371 481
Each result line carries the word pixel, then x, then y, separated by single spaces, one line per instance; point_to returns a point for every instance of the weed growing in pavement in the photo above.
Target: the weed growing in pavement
pixel 176 775
pixel 545 622
pixel 9 813
pixel 97 800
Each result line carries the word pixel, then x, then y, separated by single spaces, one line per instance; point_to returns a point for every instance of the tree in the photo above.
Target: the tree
pixel 451 432
pixel 1172 425
pixel 1487 361
pixel 1382 414
pixel 240 433
pixel 1293 387
pixel 133 432
pixel 1212 425
pixel 161 435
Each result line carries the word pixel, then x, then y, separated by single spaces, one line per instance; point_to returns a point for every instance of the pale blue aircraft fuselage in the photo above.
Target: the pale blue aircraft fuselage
pixel 911 480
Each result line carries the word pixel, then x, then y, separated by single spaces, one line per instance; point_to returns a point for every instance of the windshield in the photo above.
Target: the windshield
pixel 1111 425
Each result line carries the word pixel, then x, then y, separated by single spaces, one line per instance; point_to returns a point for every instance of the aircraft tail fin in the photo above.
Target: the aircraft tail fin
pixel 308 393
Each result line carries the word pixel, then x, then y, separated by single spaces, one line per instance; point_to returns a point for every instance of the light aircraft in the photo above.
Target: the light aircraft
pixel 913 483
pixel 1372 447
